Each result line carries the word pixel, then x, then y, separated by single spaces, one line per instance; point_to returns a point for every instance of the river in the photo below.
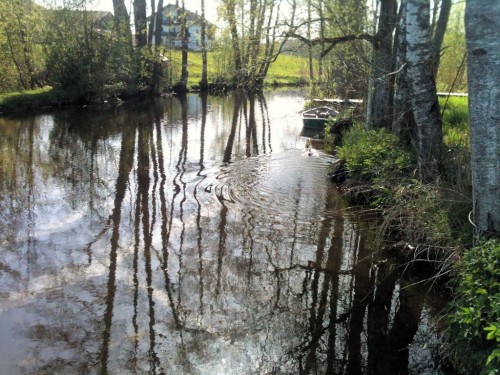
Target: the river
pixel 194 236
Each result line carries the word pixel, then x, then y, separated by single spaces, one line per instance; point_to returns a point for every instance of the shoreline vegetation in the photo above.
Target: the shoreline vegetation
pixel 431 222
pixel 288 70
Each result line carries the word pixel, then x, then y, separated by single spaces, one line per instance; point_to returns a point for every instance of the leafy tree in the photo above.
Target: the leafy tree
pixel 21 26
pixel 79 58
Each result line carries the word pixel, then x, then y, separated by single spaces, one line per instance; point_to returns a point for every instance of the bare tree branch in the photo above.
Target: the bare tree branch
pixel 334 41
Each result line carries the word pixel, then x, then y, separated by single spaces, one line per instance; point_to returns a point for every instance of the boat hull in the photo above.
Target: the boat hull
pixel 314 123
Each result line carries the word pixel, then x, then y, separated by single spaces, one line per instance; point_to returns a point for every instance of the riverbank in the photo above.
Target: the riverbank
pixel 286 71
pixel 430 223
pixel 33 100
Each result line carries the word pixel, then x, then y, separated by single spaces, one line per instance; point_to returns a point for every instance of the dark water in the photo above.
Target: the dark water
pixel 193 237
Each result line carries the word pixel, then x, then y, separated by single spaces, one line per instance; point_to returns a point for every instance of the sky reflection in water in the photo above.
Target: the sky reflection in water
pixel 192 236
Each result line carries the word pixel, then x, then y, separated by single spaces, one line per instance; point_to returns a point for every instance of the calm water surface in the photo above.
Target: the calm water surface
pixel 192 236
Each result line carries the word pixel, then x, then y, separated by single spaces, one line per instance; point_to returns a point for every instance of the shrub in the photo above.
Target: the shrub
pixel 375 155
pixel 475 321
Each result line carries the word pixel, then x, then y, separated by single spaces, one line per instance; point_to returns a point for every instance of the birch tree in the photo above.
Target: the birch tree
pixel 402 115
pixel 482 27
pixel 423 89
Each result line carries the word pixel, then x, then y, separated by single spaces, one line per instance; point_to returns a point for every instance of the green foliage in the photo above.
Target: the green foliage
pixel 375 155
pixel 21 54
pixel 452 73
pixel 475 321
pixel 78 56
pixel 345 68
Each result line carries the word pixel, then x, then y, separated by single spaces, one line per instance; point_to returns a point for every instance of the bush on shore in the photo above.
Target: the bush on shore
pixel 475 321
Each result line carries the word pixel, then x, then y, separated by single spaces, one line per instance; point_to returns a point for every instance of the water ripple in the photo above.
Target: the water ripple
pixel 273 183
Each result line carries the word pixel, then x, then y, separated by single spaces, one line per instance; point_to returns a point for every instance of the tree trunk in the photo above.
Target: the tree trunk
pixel 158 58
pixel 230 9
pixel 402 124
pixel 322 36
pixel 158 23
pixel 122 22
pixel 482 22
pixel 152 23
pixel 204 68
pixel 184 35
pixel 141 38
pixel 438 37
pixel 382 64
pixel 423 89
pixel 311 69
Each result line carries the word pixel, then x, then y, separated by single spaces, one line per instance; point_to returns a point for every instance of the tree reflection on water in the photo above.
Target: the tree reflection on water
pixel 193 235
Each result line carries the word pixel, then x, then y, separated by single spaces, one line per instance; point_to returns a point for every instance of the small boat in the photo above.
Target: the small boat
pixel 316 118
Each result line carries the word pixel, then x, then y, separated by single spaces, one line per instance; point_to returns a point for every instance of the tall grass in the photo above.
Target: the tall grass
pixel 457 174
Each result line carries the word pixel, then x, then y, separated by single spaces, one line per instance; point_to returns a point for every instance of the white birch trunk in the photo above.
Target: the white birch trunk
pixel 482 26
pixel 423 89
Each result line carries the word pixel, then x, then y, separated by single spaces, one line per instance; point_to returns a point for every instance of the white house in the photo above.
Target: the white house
pixel 171 28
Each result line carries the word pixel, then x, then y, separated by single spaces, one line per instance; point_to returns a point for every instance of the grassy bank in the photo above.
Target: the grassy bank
pixel 430 222
pixel 286 70
pixel 31 100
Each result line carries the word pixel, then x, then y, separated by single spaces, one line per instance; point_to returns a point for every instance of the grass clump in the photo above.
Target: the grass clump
pixel 475 322
pixel 375 155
